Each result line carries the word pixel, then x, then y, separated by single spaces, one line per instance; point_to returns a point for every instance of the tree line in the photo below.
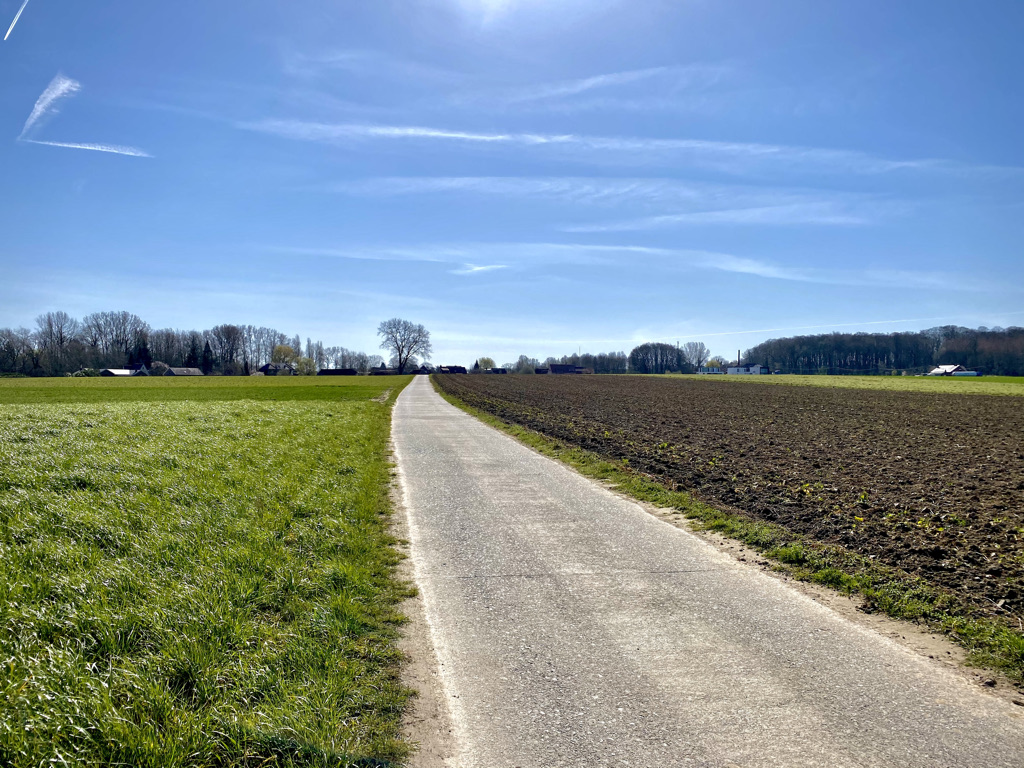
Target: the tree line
pixel 651 357
pixel 993 351
pixel 62 344
pixel 602 362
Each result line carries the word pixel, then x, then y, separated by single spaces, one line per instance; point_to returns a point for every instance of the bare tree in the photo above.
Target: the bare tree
pixel 404 339
pixel 696 353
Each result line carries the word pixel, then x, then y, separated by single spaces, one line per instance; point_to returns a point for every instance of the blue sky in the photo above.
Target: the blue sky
pixel 520 176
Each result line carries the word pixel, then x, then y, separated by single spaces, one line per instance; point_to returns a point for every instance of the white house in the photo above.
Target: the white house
pixel 125 372
pixel 951 370
pixel 749 370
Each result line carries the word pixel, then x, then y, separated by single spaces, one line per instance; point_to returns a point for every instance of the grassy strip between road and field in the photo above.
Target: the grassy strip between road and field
pixel 199 584
pixel 884 589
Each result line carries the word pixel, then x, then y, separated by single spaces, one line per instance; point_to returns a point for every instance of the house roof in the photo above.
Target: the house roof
pixel 184 372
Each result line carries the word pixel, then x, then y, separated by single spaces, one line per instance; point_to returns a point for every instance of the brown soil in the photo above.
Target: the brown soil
pixel 929 483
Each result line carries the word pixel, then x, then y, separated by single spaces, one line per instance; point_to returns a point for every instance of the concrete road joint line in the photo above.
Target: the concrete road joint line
pixel 730 667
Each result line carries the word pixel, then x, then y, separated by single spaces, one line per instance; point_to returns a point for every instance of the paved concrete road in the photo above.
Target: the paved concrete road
pixel 574 629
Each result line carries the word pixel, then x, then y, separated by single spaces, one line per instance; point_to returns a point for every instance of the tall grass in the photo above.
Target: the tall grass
pixel 197 584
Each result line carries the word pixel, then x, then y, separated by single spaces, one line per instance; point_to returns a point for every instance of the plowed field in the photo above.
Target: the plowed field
pixel 930 483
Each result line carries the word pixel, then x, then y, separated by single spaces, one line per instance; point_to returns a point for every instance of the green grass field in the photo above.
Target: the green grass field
pixel 209 388
pixel 962 385
pixel 201 583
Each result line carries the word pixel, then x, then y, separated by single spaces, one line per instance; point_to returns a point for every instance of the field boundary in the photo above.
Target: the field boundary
pixel 884 590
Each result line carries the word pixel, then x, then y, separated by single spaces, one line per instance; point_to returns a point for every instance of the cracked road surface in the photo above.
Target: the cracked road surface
pixel 574 629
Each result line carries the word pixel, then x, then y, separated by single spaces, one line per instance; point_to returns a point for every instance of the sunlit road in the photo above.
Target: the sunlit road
pixel 574 629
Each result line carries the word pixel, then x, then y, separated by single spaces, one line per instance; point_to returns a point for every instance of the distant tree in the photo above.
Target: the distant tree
pixel 404 339
pixel 283 354
pixel 716 362
pixel 140 354
pixel 158 368
pixel 57 332
pixel 411 364
pixel 305 366
pixel 655 358
pixel 525 365
pixel 695 353
pixel 475 368
pixel 194 355
pixel 485 363
pixel 206 362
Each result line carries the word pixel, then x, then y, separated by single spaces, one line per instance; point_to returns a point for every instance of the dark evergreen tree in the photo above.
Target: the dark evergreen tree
pixel 140 354
pixel 207 362
pixel 194 354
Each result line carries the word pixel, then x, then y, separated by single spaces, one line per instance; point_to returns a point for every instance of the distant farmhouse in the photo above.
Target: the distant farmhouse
pixel 496 370
pixel 337 372
pixel 542 370
pixel 131 370
pixel 748 370
pixel 183 372
pixel 712 371
pixel 277 369
pixel 559 369
pixel 452 369
pixel 951 370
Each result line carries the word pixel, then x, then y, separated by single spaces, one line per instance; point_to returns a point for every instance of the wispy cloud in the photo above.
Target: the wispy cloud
pixel 902 279
pixel 578 86
pixel 476 269
pixel 819 213
pixel 338 132
pixel 652 87
pixel 466 259
pixel 46 106
pixel 16 17
pixel 368 63
pixel 728 156
pixel 113 149
pixel 695 198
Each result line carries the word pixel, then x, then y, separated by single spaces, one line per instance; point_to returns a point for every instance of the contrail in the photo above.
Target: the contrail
pixel 112 148
pixel 58 88
pixel 16 17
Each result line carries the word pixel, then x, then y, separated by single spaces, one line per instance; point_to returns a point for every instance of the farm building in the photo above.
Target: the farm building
pixel 452 369
pixel 496 370
pixel 560 369
pixel 124 372
pixel 544 369
pixel 952 370
pixel 183 372
pixel 337 372
pixel 277 369
pixel 709 371
pixel 749 370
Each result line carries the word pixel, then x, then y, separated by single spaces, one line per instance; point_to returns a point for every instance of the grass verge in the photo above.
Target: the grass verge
pixel 199 584
pixel 884 589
